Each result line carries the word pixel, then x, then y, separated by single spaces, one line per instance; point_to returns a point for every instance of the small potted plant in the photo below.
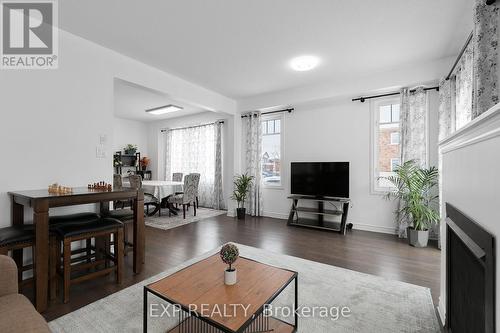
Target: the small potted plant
pixel 242 185
pixel 229 253
pixel 144 163
pixel 415 187
pixel 130 149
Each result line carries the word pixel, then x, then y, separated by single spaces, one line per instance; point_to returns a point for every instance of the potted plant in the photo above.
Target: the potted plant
pixel 415 187
pixel 144 163
pixel 242 184
pixel 130 149
pixel 229 253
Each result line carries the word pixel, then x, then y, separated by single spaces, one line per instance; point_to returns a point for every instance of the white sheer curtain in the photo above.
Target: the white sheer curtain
pixel 413 133
pixel 197 149
pixel 253 155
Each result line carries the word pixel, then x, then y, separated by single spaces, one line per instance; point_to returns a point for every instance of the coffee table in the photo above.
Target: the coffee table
pixel 206 304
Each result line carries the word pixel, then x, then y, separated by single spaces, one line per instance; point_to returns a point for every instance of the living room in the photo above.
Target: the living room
pixel 278 139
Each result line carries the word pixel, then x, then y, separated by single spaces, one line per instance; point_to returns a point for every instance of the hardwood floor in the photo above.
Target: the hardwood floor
pixel 372 253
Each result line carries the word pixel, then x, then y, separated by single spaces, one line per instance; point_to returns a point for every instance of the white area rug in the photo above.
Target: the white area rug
pixel 165 222
pixel 377 304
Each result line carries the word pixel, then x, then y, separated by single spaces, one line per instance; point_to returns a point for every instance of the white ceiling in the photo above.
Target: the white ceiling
pixel 241 48
pixel 131 102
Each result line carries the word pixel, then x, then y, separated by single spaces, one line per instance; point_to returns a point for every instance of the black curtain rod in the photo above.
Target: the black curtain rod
pixel 170 129
pixel 363 99
pixel 269 112
pixel 462 51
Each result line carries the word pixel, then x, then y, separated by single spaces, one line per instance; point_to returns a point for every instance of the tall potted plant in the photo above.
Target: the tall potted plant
pixel 415 187
pixel 242 184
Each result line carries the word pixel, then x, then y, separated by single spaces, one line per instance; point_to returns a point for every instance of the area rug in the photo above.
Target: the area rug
pixel 375 304
pixel 165 222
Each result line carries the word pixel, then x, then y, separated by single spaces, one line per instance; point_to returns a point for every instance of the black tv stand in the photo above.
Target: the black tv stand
pixel 295 218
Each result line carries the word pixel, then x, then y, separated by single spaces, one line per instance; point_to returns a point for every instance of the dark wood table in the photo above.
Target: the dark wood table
pixel 199 289
pixel 42 200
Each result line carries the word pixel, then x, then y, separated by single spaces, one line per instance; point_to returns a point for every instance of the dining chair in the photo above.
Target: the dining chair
pixel 118 185
pixel 149 199
pixel 197 185
pixel 188 197
pixel 177 176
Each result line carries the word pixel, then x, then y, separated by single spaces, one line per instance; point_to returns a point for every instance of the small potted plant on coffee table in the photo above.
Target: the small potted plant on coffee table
pixel 229 253
pixel 242 185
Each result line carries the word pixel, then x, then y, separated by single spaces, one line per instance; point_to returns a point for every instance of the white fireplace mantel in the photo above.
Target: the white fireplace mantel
pixel 470 180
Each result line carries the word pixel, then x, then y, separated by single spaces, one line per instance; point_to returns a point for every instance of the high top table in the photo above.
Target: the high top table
pixel 42 200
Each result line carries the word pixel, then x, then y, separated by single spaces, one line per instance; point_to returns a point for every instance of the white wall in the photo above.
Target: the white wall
pixel 51 120
pixel 157 144
pixel 126 131
pixel 471 181
pixel 340 131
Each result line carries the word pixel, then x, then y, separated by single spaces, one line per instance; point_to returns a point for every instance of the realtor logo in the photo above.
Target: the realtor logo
pixel 29 35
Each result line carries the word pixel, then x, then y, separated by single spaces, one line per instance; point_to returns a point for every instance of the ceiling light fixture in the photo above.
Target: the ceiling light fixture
pixel 165 109
pixel 304 63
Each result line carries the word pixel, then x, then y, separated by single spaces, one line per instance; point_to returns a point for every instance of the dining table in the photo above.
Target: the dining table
pixel 42 200
pixel 162 189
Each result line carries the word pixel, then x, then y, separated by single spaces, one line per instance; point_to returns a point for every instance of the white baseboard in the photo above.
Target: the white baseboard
pixel 374 228
pixel 441 309
pixel 280 216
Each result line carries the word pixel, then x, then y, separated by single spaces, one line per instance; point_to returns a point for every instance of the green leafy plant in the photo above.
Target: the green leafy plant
pixel 416 188
pixel 130 149
pixel 242 184
pixel 229 253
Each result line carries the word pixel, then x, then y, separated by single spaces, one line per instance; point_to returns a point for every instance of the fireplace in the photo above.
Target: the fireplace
pixel 470 268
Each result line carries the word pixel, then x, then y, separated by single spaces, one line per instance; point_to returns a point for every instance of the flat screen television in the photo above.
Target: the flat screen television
pixel 320 179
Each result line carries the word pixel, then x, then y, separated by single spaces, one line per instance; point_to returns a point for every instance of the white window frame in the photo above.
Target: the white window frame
pixel 392 139
pixel 280 185
pixel 375 105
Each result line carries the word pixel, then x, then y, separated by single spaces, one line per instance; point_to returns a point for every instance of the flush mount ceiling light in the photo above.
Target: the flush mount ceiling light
pixel 304 63
pixel 165 109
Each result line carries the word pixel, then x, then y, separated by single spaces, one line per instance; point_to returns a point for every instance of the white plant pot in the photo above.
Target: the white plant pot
pixel 230 277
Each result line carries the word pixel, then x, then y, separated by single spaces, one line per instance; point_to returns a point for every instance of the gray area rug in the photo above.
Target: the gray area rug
pixel 376 304
pixel 165 222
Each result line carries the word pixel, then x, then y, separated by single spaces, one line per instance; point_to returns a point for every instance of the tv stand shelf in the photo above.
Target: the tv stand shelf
pixel 296 219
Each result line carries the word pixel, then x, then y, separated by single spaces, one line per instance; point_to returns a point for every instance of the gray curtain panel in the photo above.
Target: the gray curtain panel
pixel 253 128
pixel 486 25
pixel 446 107
pixel 413 122
pixel 464 88
pixel 218 195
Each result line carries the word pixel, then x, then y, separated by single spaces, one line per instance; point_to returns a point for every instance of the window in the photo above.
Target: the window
pixel 271 150
pixel 395 138
pixel 394 164
pixel 386 142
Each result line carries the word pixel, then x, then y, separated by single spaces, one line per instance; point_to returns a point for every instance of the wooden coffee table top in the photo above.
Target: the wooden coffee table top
pixel 203 283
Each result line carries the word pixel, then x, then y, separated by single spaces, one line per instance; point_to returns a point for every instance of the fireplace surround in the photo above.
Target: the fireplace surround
pixel 470 271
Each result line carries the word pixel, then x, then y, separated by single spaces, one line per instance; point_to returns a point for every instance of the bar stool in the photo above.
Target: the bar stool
pixel 69 232
pixel 15 238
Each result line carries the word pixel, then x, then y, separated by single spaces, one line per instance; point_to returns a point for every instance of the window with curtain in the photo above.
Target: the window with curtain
pixel 197 150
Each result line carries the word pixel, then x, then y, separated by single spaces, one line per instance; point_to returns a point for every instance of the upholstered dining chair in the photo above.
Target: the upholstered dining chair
pixel 118 184
pixel 177 176
pixel 188 197
pixel 197 185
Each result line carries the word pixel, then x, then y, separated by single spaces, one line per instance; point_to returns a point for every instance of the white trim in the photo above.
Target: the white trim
pixel 374 228
pixel 374 124
pixel 441 309
pixel 484 127
pixel 274 215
